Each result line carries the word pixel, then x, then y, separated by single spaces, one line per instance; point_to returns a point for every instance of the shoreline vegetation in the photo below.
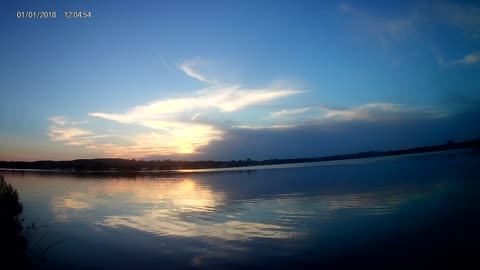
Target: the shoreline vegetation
pixel 118 164
pixel 13 242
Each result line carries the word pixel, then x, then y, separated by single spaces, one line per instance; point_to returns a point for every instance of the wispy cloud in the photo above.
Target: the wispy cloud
pixel 65 133
pixel 469 59
pixel 188 68
pixel 415 25
pixel 463 16
pixel 257 127
pixel 226 99
pixel 380 112
pixel 289 113
pixel 383 28
pixel 63 130
pixel 376 112
pixel 58 120
pixel 80 142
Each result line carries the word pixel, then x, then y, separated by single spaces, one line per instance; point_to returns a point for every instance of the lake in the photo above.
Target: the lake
pixel 415 212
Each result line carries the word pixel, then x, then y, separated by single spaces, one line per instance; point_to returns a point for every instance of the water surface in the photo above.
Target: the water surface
pixel 413 211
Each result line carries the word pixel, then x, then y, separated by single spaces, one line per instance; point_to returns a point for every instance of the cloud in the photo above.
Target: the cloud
pixel 184 140
pixel 188 68
pixel 195 116
pixel 174 125
pixel 382 112
pixel 181 134
pixel 264 127
pixel 384 29
pixel 58 120
pixel 171 137
pixel 65 134
pixel 324 130
pixel 65 131
pixel 61 130
pixel 80 142
pixel 469 59
pixel 421 22
pixel 289 113
pixel 226 99
pixel 170 113
pixel 463 16
pixel 372 112
pixel 343 134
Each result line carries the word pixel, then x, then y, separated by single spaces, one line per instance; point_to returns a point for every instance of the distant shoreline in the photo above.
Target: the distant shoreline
pixel 126 165
pixel 244 168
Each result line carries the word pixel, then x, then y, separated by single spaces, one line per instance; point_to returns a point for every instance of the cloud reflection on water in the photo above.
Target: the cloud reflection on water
pixel 174 196
pixel 230 230
pixel 188 208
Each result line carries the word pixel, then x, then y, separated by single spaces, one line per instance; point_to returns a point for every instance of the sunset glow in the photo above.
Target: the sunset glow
pixel 192 87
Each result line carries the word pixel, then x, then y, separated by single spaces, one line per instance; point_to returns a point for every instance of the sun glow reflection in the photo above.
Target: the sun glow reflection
pixel 187 207
pixel 174 207
pixel 181 195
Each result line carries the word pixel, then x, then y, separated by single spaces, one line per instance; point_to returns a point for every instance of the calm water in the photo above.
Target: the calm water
pixel 415 212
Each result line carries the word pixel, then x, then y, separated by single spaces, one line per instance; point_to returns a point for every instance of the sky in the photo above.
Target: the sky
pixel 229 80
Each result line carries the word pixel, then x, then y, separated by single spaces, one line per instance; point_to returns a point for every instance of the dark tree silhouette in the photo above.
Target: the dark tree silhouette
pixel 12 243
pixel 131 165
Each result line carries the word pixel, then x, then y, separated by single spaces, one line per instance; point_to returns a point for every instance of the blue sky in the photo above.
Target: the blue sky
pixel 236 79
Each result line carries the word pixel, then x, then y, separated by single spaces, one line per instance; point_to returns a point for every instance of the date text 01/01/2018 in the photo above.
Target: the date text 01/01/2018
pixel 53 14
pixel 36 14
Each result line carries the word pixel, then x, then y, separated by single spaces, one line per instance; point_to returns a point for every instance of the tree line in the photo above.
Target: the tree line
pixel 118 164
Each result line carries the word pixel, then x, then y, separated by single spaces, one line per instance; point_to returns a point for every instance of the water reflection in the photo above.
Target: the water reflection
pixel 230 230
pixel 165 196
pixel 72 204
pixel 184 207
